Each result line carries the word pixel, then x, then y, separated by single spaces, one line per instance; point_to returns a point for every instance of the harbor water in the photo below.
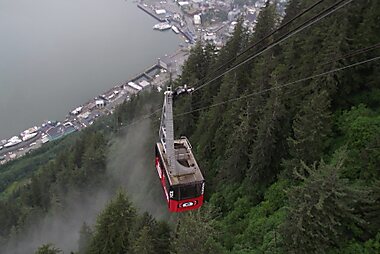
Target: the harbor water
pixel 57 54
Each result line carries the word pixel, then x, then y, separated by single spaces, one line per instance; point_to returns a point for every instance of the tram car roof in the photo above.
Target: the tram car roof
pixel 187 167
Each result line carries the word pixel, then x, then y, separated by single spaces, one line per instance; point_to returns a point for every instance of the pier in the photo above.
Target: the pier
pixel 187 35
pixel 151 13
pixel 149 73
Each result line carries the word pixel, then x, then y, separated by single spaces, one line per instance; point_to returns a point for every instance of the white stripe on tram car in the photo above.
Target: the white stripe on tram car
pixel 158 167
pixel 166 193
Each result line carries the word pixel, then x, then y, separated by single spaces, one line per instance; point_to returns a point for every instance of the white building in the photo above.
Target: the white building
pixel 197 19
pixel 183 3
pixel 144 83
pixel 132 87
pixel 209 37
pixel 232 26
pixel 76 111
pixel 100 103
pixel 160 12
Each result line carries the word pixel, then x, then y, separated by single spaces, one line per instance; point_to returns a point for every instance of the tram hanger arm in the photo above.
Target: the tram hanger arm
pixel 181 90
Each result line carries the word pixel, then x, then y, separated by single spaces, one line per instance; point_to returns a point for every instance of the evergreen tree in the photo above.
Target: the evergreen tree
pixel 161 235
pixel 195 234
pixel 85 235
pixel 144 243
pixel 321 210
pixel 9 214
pixel 113 227
pixel 269 143
pixel 232 48
pixel 194 74
pixel 311 128
pixel 211 131
pixel 236 154
pixel 48 249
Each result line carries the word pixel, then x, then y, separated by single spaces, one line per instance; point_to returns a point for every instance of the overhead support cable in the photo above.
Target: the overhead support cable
pixel 354 53
pixel 333 8
pixel 281 86
pixel 268 35
pixel 260 92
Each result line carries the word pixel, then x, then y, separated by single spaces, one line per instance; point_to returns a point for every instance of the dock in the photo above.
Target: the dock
pixel 187 35
pixel 151 13
pixel 149 73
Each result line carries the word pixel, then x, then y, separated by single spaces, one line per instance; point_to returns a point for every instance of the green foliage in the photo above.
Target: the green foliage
pixel 119 229
pixel 17 170
pixel 9 215
pixel 248 147
pixel 85 235
pixel 48 249
pixel 75 164
pixel 360 130
pixel 249 228
pixel 196 234
pixel 321 209
pixel 79 165
pixel 113 227
pixel 144 242
pixel 371 246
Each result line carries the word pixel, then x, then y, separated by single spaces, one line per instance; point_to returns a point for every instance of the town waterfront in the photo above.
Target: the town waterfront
pixel 58 54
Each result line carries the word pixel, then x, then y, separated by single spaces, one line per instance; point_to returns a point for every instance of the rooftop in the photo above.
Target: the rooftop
pixel 185 163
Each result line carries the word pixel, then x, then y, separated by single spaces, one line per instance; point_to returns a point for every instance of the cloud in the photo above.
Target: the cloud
pixel 130 166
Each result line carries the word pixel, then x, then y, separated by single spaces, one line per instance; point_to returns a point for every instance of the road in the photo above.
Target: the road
pixel 20 149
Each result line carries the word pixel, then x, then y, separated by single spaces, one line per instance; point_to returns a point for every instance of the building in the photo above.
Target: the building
pixel 55 132
pixel 197 19
pixel 100 103
pixel 68 128
pixel 209 37
pixel 232 15
pixel 183 3
pixel 160 12
pixel 132 87
pixel 197 3
pixel 76 111
pixel 144 84
pixel 232 26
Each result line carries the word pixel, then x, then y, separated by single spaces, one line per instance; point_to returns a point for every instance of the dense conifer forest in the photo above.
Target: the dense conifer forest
pixel 290 167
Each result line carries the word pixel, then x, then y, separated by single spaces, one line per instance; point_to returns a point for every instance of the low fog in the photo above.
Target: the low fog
pixel 130 166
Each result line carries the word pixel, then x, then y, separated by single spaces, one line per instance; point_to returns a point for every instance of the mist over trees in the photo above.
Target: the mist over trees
pixel 294 169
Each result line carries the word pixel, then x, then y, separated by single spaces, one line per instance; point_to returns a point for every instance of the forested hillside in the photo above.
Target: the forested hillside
pixel 289 144
pixel 291 167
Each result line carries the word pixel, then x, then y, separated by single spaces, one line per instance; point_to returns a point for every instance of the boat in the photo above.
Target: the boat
pixel 162 26
pixel 175 29
pixel 26 137
pixel 30 130
pixel 12 142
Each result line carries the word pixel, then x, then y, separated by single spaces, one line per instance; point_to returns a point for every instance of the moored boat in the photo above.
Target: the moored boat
pixel 26 137
pixel 162 26
pixel 12 142
pixel 175 29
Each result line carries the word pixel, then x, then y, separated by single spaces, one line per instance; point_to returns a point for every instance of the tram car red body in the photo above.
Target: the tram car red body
pixel 184 190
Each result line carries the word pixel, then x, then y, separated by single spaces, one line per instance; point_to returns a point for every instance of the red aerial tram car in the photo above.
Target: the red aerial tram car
pixel 180 176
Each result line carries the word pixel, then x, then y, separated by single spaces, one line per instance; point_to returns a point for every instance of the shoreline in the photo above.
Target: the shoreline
pixel 85 114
